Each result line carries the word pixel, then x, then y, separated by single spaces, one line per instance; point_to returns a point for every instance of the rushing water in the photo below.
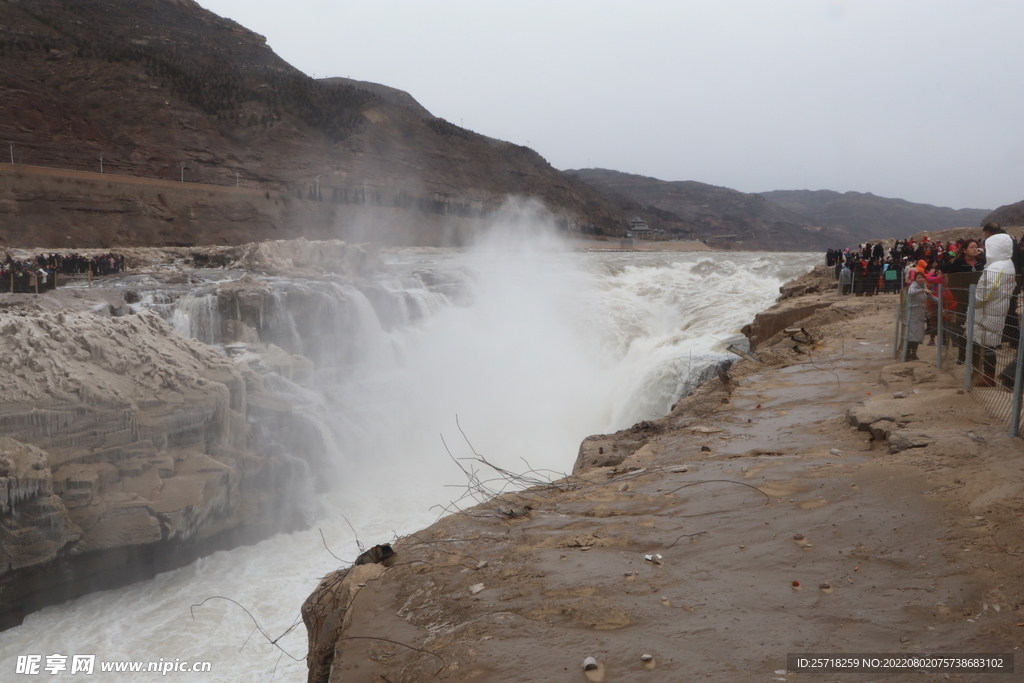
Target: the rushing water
pixel 530 349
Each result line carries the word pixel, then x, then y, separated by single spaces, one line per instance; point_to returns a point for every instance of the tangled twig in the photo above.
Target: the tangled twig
pixel 358 543
pixel 395 642
pixel 486 491
pixel 699 533
pixel 263 632
pixel 329 552
pixel 727 481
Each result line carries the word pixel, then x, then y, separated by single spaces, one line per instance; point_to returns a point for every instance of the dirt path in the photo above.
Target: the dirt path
pixel 773 525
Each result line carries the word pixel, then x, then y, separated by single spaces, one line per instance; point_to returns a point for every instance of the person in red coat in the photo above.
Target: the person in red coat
pixel 935 279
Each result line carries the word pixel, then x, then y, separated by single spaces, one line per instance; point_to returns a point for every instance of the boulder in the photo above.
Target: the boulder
pixel 864 414
pixel 599 451
pixel 901 440
pixel 768 324
pixel 326 614
pixel 609 450
pixel 880 429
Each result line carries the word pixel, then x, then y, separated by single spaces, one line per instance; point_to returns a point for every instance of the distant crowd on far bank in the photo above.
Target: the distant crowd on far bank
pixel 40 273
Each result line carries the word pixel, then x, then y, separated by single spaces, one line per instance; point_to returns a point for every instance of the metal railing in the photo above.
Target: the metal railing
pixel 875 282
pixel 27 283
pixel 976 339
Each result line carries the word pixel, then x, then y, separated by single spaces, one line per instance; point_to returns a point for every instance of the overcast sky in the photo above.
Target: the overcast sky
pixel 917 99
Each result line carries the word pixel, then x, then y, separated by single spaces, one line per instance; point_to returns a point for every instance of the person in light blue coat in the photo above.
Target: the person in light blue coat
pixel 845 279
pixel 917 298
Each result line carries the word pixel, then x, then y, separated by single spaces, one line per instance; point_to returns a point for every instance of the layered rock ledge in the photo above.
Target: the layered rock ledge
pixel 129 449
pixel 793 504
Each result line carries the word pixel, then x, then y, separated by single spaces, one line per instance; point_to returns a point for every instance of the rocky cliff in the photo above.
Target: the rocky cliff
pixel 129 449
pixel 56 209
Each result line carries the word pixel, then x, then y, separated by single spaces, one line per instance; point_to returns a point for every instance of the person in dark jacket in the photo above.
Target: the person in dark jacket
pixel 970 260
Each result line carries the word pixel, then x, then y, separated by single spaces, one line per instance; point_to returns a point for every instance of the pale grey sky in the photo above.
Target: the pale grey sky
pixel 917 99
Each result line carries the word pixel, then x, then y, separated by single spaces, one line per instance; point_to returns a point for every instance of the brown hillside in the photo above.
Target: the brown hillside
pixel 867 216
pixel 1011 214
pixel 150 85
pixel 719 212
pixel 43 207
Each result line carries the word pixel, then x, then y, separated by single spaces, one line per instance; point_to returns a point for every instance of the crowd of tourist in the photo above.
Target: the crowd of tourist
pixel 937 276
pixel 873 268
pixel 74 263
pixel 39 273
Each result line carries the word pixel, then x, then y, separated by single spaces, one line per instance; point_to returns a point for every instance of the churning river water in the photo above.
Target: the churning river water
pixel 530 349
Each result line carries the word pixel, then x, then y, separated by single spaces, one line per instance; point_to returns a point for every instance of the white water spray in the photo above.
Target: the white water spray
pixel 534 348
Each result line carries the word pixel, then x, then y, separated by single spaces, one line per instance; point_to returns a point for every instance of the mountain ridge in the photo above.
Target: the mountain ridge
pixel 814 218
pixel 719 213
pixel 871 216
pixel 1008 214
pixel 172 91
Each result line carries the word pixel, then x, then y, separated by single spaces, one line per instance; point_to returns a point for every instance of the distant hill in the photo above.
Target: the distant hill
pixel 720 213
pixel 168 90
pixel 867 217
pixel 1011 214
pixel 788 219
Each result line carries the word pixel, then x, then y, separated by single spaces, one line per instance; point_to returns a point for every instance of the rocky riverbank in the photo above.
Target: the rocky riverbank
pixel 817 497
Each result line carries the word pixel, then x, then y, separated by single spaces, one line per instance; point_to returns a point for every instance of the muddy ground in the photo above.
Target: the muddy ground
pixel 793 505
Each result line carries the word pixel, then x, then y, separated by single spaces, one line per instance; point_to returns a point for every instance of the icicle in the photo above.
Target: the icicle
pixel 198 317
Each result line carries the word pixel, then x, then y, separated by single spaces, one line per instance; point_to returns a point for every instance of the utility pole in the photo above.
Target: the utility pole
pixel 12 152
pixel 183 171
pixel 318 188
pixel 236 177
pixel 101 164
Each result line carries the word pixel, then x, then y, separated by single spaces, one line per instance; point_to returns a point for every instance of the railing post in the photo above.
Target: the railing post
pixel 940 337
pixel 969 335
pixel 1018 384
pixel 906 325
pixel 899 319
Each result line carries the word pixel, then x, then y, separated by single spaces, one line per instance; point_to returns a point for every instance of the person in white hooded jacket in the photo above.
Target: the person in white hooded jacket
pixel 991 304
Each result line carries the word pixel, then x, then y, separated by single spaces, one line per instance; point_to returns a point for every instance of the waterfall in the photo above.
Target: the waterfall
pixel 532 349
pixel 198 316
